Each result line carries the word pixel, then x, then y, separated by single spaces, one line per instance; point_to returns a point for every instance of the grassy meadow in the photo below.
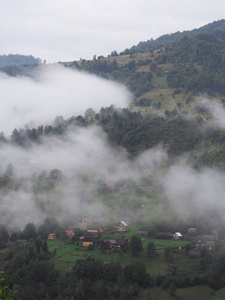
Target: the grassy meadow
pixel 158 264
pixel 68 254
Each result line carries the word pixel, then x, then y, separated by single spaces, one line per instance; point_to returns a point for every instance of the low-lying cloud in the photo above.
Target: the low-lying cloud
pixel 54 91
pixel 85 159
pixel 193 194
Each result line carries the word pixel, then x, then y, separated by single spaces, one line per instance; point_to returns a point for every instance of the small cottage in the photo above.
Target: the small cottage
pixel 90 240
pixel 191 230
pixel 51 236
pixel 207 241
pixel 94 229
pixel 117 245
pixel 110 186
pixel 177 236
pixel 9 245
pixel 69 233
pixel 122 226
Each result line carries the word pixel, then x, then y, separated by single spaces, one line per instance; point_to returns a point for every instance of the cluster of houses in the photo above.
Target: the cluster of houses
pixel 91 232
pixel 17 243
pixel 91 235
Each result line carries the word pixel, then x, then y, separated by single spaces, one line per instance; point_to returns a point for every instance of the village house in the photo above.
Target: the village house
pixel 144 230
pixel 90 240
pixel 21 243
pixel 110 186
pixel 94 229
pixel 83 223
pixel 122 226
pixel 9 245
pixel 51 236
pixel 177 236
pixel 17 243
pixel 207 241
pixel 191 230
pixel 69 233
pixel 117 245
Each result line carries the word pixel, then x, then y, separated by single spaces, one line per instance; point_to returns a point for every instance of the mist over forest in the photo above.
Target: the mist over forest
pixel 52 91
pixel 60 175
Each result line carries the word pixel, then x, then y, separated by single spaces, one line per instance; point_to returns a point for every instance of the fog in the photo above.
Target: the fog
pixel 87 161
pixel 54 90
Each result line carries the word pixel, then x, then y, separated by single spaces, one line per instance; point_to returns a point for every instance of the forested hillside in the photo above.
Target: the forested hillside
pixel 191 60
pixel 16 64
pixel 136 133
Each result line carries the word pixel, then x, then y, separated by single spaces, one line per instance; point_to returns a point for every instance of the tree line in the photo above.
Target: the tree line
pixel 135 132
pixel 136 82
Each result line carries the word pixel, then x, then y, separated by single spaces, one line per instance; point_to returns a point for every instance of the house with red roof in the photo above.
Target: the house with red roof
pixel 69 233
pixel 110 186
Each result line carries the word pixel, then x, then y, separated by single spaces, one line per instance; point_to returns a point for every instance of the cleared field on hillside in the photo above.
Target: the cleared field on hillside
pixel 68 254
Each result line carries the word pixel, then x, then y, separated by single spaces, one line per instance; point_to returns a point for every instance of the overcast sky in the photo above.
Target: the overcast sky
pixel 65 30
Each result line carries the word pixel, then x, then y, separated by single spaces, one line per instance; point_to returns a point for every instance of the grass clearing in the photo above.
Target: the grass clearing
pixel 160 82
pixel 162 244
pixel 68 254
pixel 166 98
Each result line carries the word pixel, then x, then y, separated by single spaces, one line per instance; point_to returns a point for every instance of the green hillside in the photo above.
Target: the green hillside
pixel 188 63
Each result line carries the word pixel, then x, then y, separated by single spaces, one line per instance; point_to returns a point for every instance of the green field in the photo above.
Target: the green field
pixel 160 82
pixel 68 254
pixel 166 98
